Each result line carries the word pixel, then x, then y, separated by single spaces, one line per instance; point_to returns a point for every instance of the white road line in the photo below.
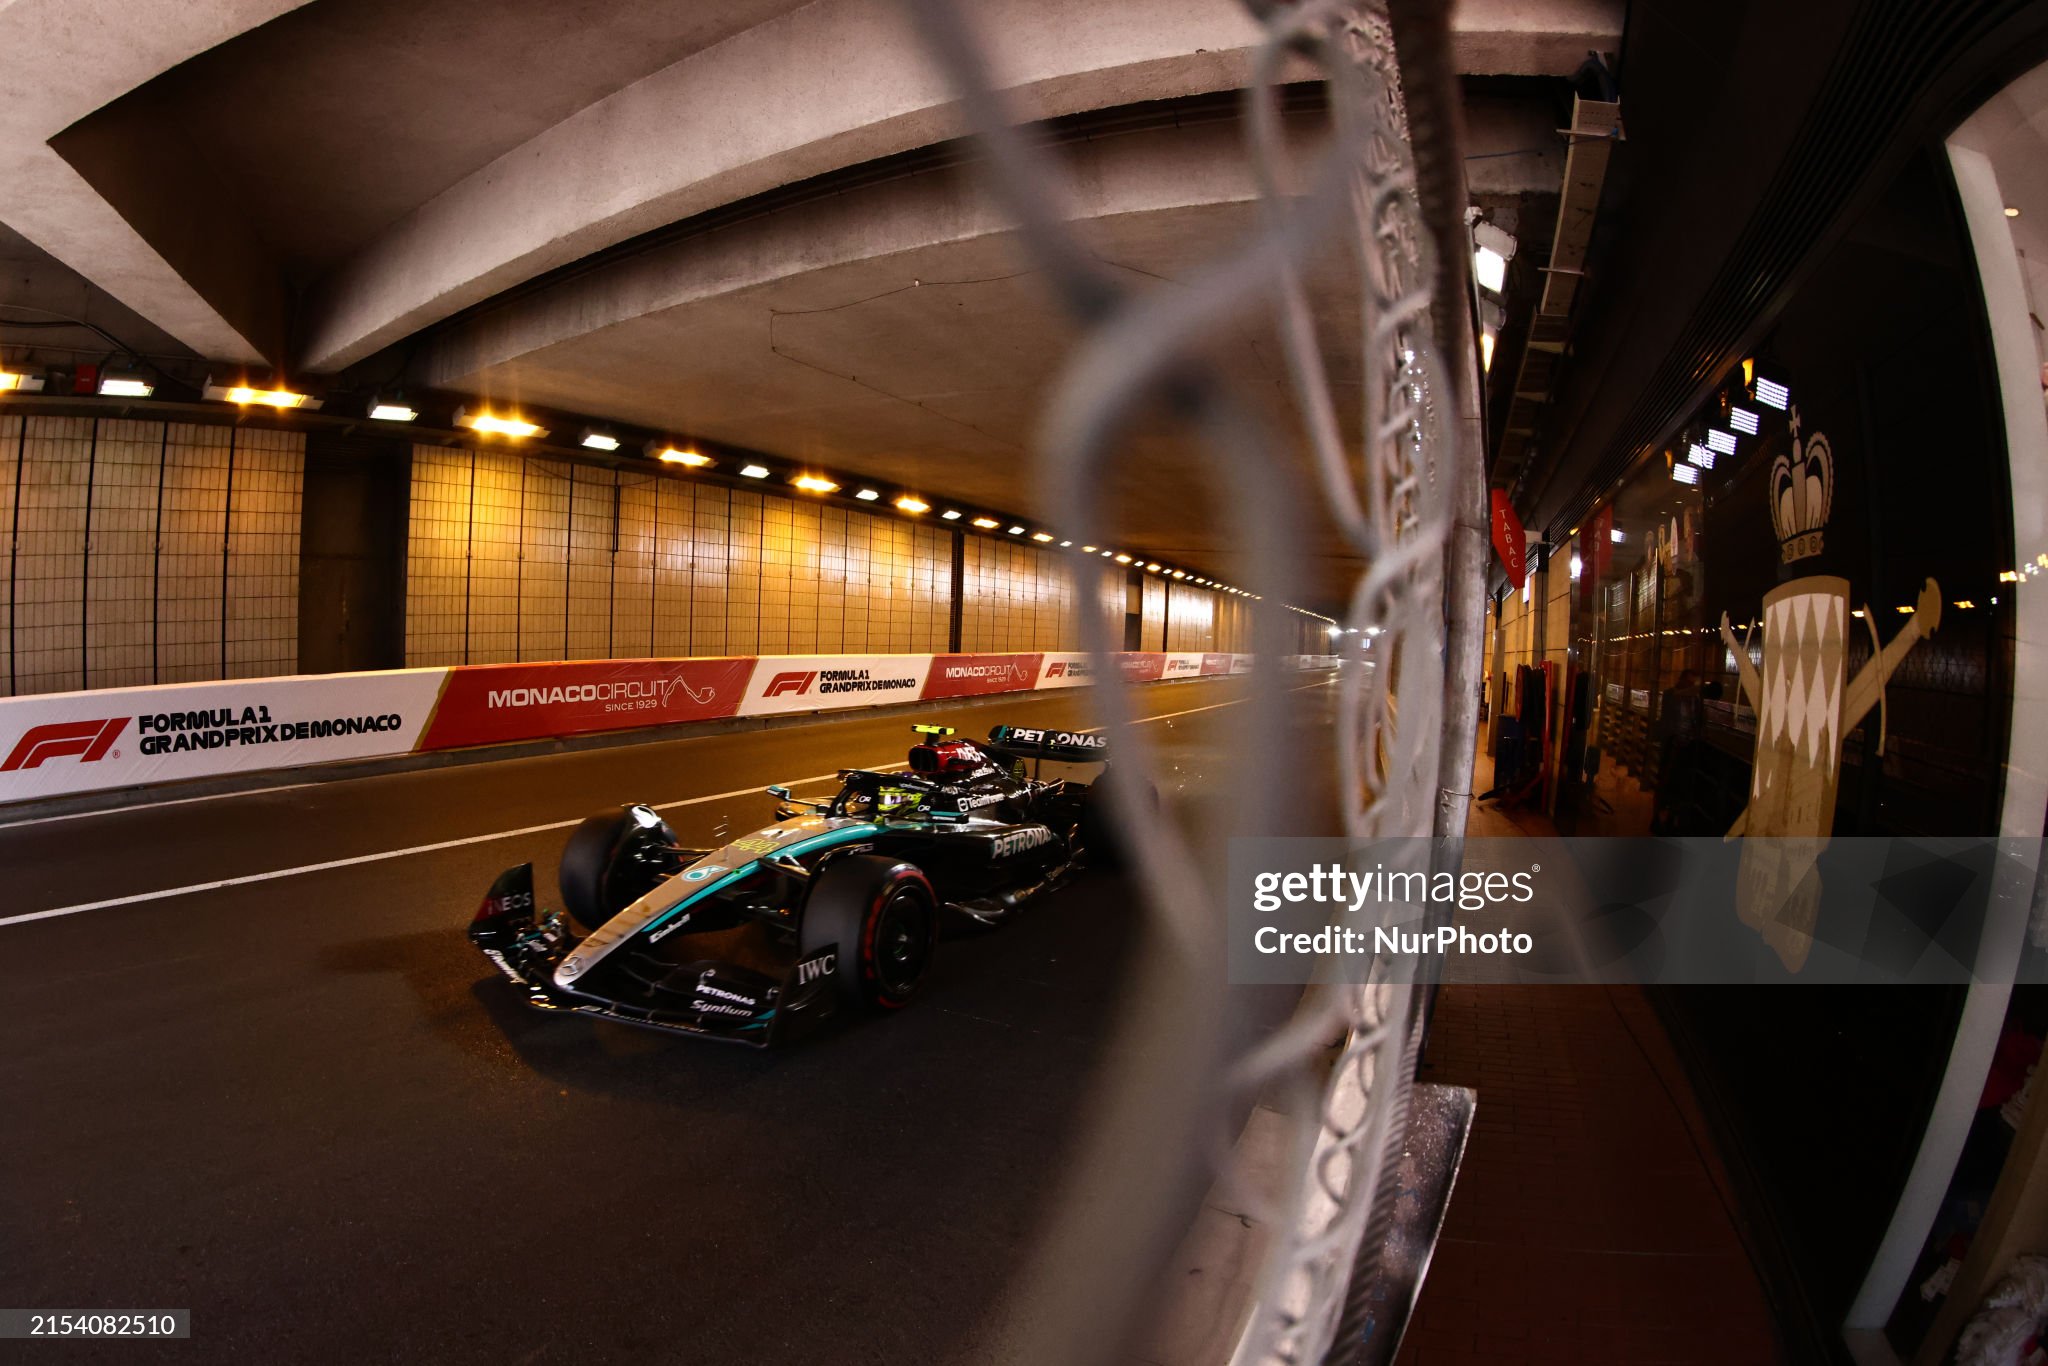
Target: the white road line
pixel 247 878
pixel 151 806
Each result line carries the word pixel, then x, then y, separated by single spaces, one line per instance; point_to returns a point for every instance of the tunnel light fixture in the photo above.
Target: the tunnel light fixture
pixel 812 483
pixel 492 424
pixel 1336 631
pixel 1686 473
pixel 951 514
pixel 1490 268
pixel 1617 535
pixel 1743 420
pixel 1696 454
pixel 1906 611
pixel 987 523
pixel 1107 553
pixel 384 411
pixel 1724 442
pixel 669 454
pixel 1123 559
pixel 1042 537
pixel 1486 351
pixel 1087 550
pixel 1065 544
pixel 753 471
pixel 14 382
pixel 243 395
pixel 2012 211
pixel 1180 573
pixel 1152 568
pixel 1773 394
pixel 913 505
pixel 125 386
pixel 869 495
pixel 1016 531
pixel 597 439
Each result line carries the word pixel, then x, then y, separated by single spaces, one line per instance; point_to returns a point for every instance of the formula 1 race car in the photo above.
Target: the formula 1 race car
pixel 834 906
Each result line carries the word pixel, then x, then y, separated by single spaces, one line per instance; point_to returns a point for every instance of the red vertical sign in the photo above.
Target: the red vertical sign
pixel 1509 541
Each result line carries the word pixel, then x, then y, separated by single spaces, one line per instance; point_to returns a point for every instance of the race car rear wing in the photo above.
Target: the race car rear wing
pixel 1058 746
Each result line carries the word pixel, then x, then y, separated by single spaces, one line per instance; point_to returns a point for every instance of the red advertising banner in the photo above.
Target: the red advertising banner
pixel 1146 666
pixel 1216 664
pixel 488 704
pixel 973 675
pixel 1509 540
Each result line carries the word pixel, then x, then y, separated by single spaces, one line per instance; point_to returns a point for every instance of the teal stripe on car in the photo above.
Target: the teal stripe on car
pixel 815 842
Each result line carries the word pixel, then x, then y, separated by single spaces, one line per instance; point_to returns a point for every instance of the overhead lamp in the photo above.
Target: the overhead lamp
pixel 1905 611
pixel 1107 553
pixel 1772 393
pixel 243 395
pixel 1087 550
pixel 811 483
pixel 14 382
pixel 490 424
pixel 1065 544
pixel 1576 567
pixel 1486 351
pixel 753 471
pixel 595 439
pixel 1742 420
pixel 1336 631
pixel 1491 248
pixel 1152 568
pixel 382 411
pixel 1016 531
pixel 1686 473
pixel 1180 573
pixel 987 523
pixel 913 504
pixel 1724 442
pixel 1696 454
pixel 1123 559
pixel 2012 211
pixel 868 495
pixel 1042 537
pixel 951 514
pixel 1617 535
pixel 125 386
pixel 678 455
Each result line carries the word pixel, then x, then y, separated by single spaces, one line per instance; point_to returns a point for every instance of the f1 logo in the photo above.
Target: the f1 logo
pixel 89 740
pixel 784 684
pixel 1056 668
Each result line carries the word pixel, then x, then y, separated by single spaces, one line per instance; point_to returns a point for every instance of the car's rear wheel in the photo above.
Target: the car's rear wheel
pixel 883 920
pixel 612 860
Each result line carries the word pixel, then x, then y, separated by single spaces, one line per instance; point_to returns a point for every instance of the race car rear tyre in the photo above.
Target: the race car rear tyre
pixel 883 918
pixel 1102 841
pixel 612 860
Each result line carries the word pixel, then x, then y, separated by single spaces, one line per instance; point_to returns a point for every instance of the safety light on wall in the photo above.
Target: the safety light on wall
pixel 491 424
pixel 1042 537
pixel 669 454
pixel 753 471
pixel 913 504
pixel 869 495
pixel 950 515
pixel 987 523
pixel 382 410
pixel 811 483
pixel 242 395
pixel 14 382
pixel 594 439
pixel 1773 394
pixel 125 386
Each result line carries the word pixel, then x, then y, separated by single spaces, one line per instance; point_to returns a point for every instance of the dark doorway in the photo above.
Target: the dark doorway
pixel 352 553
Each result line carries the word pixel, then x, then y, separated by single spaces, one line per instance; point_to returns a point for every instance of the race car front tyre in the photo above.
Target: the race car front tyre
pixel 1102 839
pixel 612 860
pixel 882 917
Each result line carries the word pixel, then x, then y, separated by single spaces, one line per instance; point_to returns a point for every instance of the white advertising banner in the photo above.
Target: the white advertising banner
pixel 792 683
pixel 1180 664
pixel 1065 671
pixel 56 743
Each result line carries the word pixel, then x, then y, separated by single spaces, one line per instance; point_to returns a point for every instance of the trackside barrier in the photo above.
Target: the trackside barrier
pixel 55 744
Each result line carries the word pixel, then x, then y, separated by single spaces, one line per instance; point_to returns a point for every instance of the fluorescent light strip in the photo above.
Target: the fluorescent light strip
pixel 1773 394
pixel 1742 420
pixel 1724 442
pixel 1686 474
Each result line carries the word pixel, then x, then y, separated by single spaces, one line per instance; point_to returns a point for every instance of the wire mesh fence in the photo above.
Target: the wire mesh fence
pixel 1399 484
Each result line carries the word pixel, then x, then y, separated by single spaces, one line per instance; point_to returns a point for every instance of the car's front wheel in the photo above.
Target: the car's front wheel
pixel 612 860
pixel 882 919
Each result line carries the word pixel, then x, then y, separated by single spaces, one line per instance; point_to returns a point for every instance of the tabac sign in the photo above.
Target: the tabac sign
pixel 1509 540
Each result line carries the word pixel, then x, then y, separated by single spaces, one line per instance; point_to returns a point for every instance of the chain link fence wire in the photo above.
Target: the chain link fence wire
pixel 1402 496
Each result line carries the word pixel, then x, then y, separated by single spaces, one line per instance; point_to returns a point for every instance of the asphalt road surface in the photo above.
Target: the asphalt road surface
pixel 292 1099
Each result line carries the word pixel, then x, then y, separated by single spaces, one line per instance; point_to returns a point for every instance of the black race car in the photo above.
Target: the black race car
pixel 835 905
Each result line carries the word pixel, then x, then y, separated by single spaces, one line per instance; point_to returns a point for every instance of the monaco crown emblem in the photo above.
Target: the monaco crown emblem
pixel 1802 489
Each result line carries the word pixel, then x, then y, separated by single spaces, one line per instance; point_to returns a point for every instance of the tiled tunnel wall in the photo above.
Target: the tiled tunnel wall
pixel 146 552
pixel 514 557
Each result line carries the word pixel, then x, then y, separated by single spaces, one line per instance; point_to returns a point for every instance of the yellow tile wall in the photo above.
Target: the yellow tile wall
pixel 49 600
pixel 264 489
pixel 120 579
pixel 632 605
pixel 675 542
pixel 544 560
pixel 10 456
pixel 497 500
pixel 437 556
